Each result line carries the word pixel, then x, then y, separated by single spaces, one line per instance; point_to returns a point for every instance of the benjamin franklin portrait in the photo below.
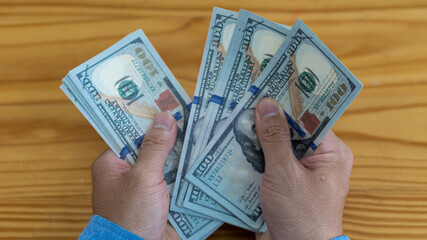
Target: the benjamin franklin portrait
pixel 245 132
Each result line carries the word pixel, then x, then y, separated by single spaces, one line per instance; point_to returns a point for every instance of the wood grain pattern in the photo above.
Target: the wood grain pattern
pixel 46 145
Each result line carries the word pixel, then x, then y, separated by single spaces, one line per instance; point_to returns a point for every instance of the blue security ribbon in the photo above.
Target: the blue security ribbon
pixel 189 106
pixel 254 90
pixel 177 116
pixel 139 140
pixel 294 125
pixel 125 151
pixel 301 132
pixel 233 104
pixel 217 99
pixel 197 100
pixel 313 146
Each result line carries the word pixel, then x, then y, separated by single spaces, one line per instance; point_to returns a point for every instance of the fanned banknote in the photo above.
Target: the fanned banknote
pixel 313 87
pixel 120 91
pixel 255 41
pixel 220 31
pixel 246 57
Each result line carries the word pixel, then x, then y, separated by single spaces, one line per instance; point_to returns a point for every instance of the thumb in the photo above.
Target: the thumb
pixel 156 146
pixel 274 136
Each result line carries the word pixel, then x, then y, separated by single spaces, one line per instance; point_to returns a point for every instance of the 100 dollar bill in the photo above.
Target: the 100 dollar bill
pixel 255 41
pixel 121 90
pixel 219 35
pixel 313 87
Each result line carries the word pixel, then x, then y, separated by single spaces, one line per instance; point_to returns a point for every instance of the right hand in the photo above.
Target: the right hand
pixel 300 199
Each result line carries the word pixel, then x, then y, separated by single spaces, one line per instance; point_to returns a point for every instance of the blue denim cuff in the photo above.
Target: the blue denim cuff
pixel 100 228
pixel 344 237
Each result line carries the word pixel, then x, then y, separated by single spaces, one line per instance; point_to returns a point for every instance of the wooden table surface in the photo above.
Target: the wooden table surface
pixel 47 146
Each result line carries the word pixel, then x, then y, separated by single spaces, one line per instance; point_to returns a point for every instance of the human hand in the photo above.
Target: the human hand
pixel 137 198
pixel 300 199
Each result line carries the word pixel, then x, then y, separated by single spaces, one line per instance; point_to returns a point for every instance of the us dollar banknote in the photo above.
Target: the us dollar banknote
pixel 255 41
pixel 220 31
pixel 120 91
pixel 313 87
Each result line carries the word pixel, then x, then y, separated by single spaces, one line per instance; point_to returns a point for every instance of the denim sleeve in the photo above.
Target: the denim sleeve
pixel 100 228
pixel 344 237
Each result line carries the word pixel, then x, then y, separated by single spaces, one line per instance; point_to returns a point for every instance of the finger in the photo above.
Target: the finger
pixel 328 144
pixel 108 167
pixel 156 146
pixel 331 153
pixel 263 236
pixel 323 156
pixel 273 133
pixel 345 159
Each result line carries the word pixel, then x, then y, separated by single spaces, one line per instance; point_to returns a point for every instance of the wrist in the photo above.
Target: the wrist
pixel 325 233
pixel 305 233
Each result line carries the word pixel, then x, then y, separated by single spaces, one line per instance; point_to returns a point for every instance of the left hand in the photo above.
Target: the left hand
pixel 137 198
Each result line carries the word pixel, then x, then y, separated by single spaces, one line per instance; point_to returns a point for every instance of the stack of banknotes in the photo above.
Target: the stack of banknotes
pixel 215 168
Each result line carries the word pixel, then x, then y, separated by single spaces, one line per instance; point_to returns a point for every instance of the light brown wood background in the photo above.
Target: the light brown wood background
pixel 47 146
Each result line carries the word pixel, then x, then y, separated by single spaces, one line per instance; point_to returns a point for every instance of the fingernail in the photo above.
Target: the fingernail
pixel 267 108
pixel 163 120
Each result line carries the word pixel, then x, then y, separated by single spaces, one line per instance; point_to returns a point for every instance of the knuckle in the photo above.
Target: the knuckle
pixel 101 159
pixel 97 174
pixel 155 140
pixel 347 155
pixel 94 165
pixel 97 164
pixel 275 133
